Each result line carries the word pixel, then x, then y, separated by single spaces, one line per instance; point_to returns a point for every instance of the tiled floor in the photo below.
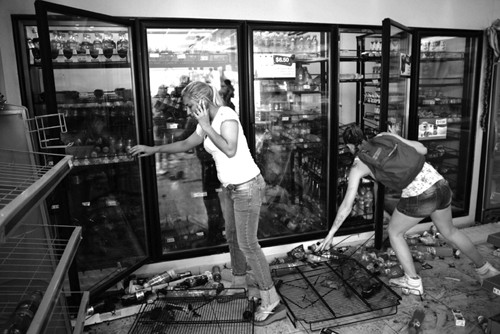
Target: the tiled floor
pixel 450 283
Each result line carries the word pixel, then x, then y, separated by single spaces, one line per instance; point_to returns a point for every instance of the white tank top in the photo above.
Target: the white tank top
pixel 241 167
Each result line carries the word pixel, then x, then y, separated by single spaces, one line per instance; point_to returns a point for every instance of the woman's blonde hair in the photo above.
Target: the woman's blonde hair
pixel 199 90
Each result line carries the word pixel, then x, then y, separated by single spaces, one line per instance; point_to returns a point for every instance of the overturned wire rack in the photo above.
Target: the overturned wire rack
pixel 329 294
pixel 196 312
pixel 35 256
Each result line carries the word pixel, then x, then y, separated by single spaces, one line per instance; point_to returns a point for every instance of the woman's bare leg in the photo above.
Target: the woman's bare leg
pixel 398 226
pixel 443 221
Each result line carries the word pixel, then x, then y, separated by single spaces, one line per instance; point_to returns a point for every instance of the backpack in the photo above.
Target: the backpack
pixel 392 162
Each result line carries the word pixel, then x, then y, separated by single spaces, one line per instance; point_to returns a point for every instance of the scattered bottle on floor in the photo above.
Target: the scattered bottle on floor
pixel 216 275
pixel 162 278
pixel 415 324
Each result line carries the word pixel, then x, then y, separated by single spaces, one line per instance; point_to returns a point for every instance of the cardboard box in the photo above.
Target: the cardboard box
pixel 494 239
pixel 492 284
pixel 432 128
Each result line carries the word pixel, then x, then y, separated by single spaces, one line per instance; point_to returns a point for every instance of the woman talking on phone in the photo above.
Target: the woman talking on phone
pixel 220 131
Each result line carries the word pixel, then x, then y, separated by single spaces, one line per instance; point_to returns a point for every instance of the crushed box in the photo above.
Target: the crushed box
pixel 494 239
pixel 492 284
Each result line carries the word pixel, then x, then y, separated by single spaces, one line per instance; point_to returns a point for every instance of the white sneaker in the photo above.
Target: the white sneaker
pixel 486 271
pixel 410 285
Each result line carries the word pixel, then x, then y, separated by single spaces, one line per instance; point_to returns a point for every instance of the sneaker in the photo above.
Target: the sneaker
pixel 410 285
pixel 486 271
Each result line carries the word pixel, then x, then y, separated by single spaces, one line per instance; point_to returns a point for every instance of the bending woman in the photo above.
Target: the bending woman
pixel 427 195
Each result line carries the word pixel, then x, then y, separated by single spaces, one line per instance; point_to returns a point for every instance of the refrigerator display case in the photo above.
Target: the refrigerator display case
pixel 88 80
pixel 488 209
pixel 432 94
pixel 290 82
pixel 187 187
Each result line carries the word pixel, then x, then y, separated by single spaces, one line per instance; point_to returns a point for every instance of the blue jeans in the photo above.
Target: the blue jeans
pixel 437 197
pixel 241 209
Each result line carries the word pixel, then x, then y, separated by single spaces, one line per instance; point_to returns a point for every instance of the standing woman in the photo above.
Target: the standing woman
pixel 427 195
pixel 220 131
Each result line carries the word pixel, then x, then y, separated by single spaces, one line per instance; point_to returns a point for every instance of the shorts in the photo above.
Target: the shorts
pixel 437 197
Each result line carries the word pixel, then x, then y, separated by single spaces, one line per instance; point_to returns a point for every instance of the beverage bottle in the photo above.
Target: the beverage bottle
pixel 96 47
pixel 20 320
pixel 137 298
pixel 84 47
pixel 307 77
pixel 315 46
pixel 292 45
pixel 55 44
pixel 70 46
pixel 308 44
pixel 103 306
pixel 300 44
pixel 300 78
pixel 216 275
pixel 162 278
pixel 416 321
pixel 108 45
pixel 184 275
pixel 122 45
pixel 194 281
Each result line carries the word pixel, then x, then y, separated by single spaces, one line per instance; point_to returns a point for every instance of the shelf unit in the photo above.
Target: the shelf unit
pixel 35 256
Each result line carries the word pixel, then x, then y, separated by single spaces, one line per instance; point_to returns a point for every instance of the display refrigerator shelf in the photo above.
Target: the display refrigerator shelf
pixel 26 178
pixel 36 257
pixel 88 65
pixel 334 293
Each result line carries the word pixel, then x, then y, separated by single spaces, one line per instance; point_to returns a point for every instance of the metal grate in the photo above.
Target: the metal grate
pixel 34 258
pixel 330 294
pixel 16 178
pixel 201 314
pixel 26 178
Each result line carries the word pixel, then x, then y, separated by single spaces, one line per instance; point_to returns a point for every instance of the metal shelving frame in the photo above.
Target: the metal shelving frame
pixel 33 255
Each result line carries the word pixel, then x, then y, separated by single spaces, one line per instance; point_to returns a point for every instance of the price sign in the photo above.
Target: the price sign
pixel 274 66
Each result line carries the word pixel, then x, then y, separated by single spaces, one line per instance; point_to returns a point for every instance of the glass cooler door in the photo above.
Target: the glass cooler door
pixel 395 90
pixel 87 63
pixel 490 210
pixel 187 185
pixel 446 104
pixel 396 65
pixel 291 104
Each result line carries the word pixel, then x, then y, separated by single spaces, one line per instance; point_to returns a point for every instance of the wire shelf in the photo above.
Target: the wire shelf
pixel 35 258
pixel 200 314
pixel 26 178
pixel 330 294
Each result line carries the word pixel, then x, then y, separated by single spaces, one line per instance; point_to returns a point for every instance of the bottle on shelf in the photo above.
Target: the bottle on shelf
pixel 84 48
pixel 70 46
pixel 108 45
pixel 24 313
pixel 314 47
pixel 122 45
pixel 96 48
pixel 55 44
pixel 34 45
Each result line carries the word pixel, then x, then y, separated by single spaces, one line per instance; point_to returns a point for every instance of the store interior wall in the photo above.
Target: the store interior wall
pixel 453 14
